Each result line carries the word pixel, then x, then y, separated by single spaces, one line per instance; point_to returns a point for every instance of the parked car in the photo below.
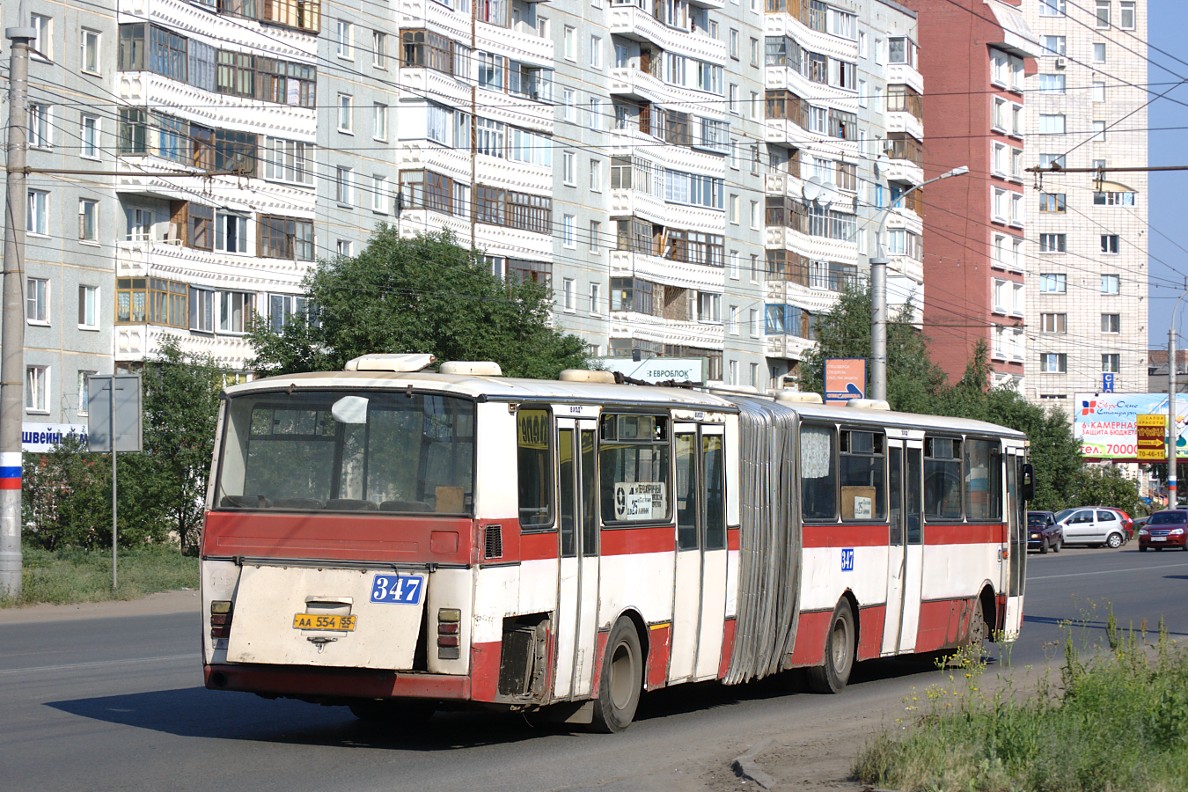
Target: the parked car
pixel 1167 528
pixel 1043 532
pixel 1092 525
pixel 1127 523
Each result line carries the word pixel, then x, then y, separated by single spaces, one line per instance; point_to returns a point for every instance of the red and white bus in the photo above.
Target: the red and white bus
pixel 395 539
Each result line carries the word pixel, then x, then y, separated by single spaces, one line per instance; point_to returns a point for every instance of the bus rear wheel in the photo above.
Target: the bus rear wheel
pixel 840 649
pixel 621 680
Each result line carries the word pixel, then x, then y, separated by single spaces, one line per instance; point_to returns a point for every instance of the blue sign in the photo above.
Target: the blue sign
pixel 400 589
pixel 847 559
pixel 1107 382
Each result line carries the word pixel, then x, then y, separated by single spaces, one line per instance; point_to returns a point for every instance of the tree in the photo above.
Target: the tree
pixel 916 384
pixel 1106 486
pixel 913 381
pixel 425 294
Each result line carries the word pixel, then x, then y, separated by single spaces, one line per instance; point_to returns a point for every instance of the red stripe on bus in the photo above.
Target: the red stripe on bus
pixel 963 533
pixel 628 541
pixel 536 547
pixel 339 536
pixel 733 539
pixel 484 670
pixel 874 535
pixel 943 623
pixel 728 630
pixel 870 631
pixel 659 649
pixel 348 682
pixel 809 649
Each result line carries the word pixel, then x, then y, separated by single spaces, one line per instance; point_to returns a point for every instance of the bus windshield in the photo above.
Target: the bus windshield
pixel 347 451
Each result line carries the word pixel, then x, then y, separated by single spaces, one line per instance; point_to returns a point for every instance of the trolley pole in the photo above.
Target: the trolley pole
pixel 12 325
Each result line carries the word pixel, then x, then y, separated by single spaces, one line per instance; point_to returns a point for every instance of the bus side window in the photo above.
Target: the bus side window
pixel 818 473
pixel 534 464
pixel 942 478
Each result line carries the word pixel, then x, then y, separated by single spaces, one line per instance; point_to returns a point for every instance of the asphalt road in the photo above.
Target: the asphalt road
pixel 111 699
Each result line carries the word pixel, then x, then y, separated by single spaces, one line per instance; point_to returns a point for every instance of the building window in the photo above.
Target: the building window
pixel 596 298
pixel 1053 243
pixel 346 40
pixel 230 233
pixel 1110 243
pixel 282 307
pixel 379 194
pixel 1051 202
pixel 289 161
pixel 1099 131
pixel 1051 7
pixel 88 307
pixel 1055 45
pixel 37 301
pixel 1099 91
pixel 568 231
pixel 89 51
pixel 1126 15
pixel 379 125
pixel 1051 83
pixel 344 186
pixel 568 175
pixel 88 133
pixel 1054 363
pixel 40 126
pixel 202 310
pixel 37 219
pixel 235 310
pixel 1111 323
pixel 37 389
pixel 84 401
pixel 379 49
pixel 346 113
pixel 344 248
pixel 595 175
pixel 286 238
pixel 88 220
pixel 1099 52
pixel 1109 284
pixel 1052 124
pixel 43 41
pixel 1111 362
pixel 568 297
pixel 595 233
pixel 1103 13
pixel 1051 161
pixel 595 52
pixel 1054 323
pixel 569 43
pixel 1053 283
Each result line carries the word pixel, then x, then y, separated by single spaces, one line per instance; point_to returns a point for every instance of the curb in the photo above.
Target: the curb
pixel 746 768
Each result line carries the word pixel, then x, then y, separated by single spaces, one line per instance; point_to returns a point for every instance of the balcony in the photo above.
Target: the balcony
pixel 626 264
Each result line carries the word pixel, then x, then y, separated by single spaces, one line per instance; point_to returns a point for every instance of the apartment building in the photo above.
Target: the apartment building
pixel 692 178
pixel 1086 242
pixel 973 61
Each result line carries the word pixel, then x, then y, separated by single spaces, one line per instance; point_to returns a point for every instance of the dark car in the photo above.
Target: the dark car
pixel 1167 528
pixel 1043 532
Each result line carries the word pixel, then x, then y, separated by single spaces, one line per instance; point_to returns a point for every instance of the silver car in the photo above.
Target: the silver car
pixel 1091 525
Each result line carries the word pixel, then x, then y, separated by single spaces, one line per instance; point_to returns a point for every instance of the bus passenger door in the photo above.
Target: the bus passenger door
pixel 896 547
pixel 699 606
pixel 577 585
pixel 1016 549
pixel 903 606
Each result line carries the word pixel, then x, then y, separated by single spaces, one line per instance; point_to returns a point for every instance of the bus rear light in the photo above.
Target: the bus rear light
pixel 220 619
pixel 448 628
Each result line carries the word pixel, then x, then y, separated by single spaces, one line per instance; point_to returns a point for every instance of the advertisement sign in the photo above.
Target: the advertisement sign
pixel 845 379
pixel 1151 437
pixel 44 437
pixel 658 369
pixel 1106 425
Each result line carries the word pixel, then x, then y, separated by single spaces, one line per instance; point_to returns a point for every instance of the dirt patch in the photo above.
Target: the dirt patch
pixel 154 604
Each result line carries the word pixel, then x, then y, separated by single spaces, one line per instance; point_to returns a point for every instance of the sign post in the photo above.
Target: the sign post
pixel 113 424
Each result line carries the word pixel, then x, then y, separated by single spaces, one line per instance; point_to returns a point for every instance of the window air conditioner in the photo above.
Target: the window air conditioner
pixel 1061 63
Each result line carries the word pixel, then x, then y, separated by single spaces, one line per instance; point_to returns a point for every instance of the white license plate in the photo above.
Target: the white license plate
pixel 1158 538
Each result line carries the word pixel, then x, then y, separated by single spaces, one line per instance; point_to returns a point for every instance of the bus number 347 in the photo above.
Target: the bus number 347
pixel 402 589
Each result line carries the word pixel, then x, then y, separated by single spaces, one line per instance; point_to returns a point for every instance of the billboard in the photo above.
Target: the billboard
pixel 845 379
pixel 659 369
pixel 1105 425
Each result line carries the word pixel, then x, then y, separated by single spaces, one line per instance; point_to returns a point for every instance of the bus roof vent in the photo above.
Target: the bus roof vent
pixel 798 397
pixel 474 368
pixel 586 375
pixel 869 404
pixel 392 363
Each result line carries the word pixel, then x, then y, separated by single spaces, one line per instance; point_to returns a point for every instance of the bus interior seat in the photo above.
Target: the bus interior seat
pixel 297 503
pixel 404 506
pixel 450 500
pixel 245 502
pixel 350 504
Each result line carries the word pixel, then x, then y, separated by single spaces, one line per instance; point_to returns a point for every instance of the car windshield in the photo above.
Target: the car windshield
pixel 1168 518
pixel 1037 519
pixel 1060 515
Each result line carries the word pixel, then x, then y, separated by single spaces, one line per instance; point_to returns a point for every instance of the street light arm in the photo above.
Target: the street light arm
pixel 958 171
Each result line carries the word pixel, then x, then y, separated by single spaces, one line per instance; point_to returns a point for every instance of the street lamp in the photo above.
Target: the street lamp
pixel 1171 404
pixel 878 294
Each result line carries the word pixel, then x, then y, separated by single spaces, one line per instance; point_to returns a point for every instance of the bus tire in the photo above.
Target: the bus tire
pixel 621 680
pixel 979 631
pixel 841 645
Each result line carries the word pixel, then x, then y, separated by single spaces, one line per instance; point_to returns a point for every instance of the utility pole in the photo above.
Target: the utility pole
pixel 12 325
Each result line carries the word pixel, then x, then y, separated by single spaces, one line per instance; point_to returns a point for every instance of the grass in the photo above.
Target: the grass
pixel 1117 721
pixel 69 576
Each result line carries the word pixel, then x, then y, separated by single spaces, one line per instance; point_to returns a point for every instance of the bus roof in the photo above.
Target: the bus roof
pixel 549 391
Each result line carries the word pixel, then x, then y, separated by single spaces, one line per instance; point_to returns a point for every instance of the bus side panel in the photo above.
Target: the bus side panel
pixel 870 631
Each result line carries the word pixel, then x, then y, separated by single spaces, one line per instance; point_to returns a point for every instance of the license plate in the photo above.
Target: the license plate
pixel 319 621
pixel 1158 538
pixel 397 589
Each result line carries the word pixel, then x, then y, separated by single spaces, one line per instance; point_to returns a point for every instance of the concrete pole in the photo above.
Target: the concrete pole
pixel 12 324
pixel 1172 434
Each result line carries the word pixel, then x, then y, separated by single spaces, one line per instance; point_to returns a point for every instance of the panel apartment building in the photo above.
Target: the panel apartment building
pixel 692 179
pixel 1087 244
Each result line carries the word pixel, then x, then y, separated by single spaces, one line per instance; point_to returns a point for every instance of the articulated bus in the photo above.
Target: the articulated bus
pixel 399 540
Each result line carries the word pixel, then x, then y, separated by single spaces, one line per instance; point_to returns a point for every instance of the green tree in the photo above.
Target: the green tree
pixel 913 381
pixel 425 294
pixel 1106 486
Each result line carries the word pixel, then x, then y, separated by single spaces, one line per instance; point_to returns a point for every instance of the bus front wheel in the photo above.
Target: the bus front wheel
pixel 621 680
pixel 840 649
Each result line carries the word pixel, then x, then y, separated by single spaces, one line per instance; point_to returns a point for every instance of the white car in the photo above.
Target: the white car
pixel 1091 525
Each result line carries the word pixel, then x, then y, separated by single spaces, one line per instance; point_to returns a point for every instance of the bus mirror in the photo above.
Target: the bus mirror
pixel 350 410
pixel 1027 491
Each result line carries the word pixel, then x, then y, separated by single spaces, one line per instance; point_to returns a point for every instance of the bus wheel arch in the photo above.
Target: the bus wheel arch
pixel 841 649
pixel 983 618
pixel 621 676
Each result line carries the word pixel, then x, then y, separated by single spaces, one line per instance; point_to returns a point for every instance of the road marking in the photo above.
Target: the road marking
pixel 1108 572
pixel 97 664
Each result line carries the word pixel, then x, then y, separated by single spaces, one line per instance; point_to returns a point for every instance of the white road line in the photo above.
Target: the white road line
pixel 1108 572
pixel 100 664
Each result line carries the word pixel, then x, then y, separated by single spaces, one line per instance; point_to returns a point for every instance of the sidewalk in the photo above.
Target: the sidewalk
pixel 155 604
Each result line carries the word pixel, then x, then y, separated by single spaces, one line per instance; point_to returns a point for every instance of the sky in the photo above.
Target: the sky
pixel 1167 33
